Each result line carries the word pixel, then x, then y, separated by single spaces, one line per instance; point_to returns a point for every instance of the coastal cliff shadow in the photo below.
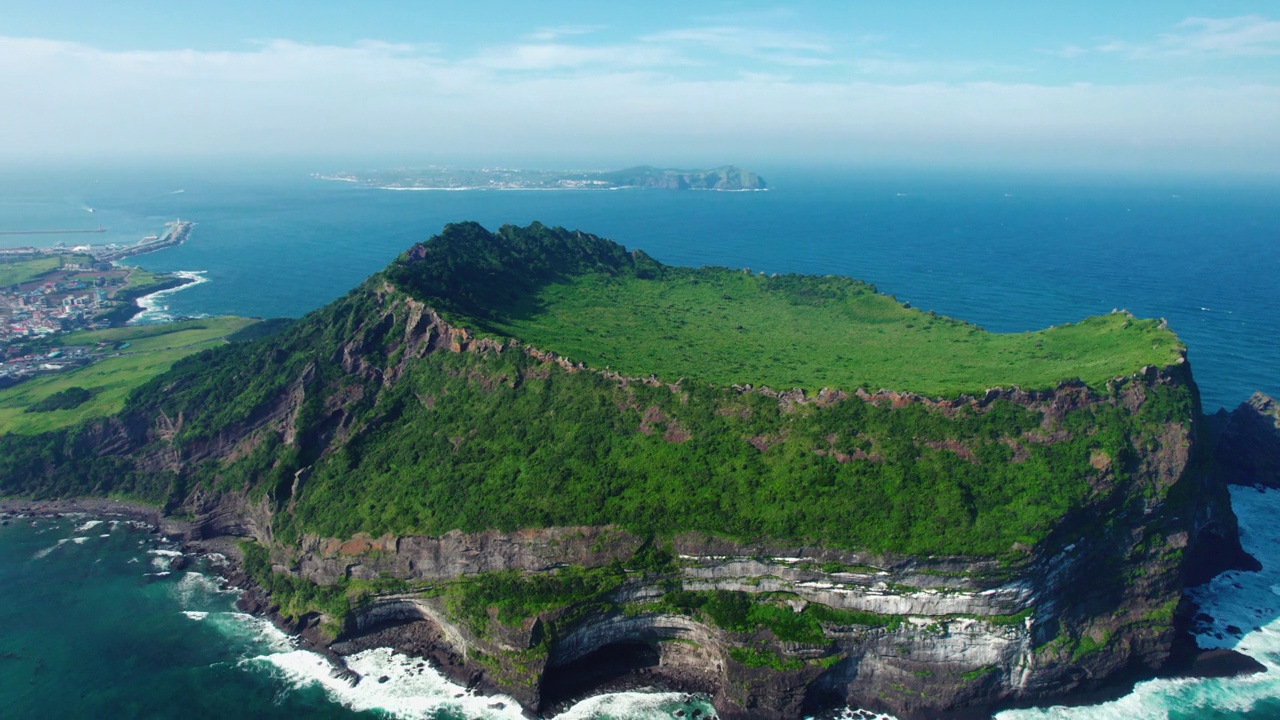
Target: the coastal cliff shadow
pixel 1239 600
pixel 613 668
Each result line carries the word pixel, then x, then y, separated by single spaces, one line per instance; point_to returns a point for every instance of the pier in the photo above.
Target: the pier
pixel 175 235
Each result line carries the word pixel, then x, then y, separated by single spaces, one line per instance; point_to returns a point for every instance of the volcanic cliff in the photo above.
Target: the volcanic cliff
pixel 403 470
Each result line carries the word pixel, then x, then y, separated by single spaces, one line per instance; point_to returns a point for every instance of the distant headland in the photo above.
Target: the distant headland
pixel 726 178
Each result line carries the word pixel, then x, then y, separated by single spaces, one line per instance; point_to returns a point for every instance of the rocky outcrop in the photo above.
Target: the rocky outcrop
pixel 1247 442
pixel 457 554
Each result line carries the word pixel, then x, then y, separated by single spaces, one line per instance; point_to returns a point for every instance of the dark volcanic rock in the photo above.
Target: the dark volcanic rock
pixel 1248 442
pixel 1223 663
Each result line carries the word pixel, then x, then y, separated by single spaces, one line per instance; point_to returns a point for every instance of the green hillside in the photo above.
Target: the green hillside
pixel 628 313
pixel 360 418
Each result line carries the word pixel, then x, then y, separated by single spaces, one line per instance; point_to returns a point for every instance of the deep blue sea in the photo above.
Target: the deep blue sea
pixel 86 631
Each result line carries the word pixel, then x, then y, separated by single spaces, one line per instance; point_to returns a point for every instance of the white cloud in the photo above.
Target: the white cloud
pixel 781 48
pixel 1246 35
pixel 535 57
pixel 1067 51
pixel 548 34
pixel 582 103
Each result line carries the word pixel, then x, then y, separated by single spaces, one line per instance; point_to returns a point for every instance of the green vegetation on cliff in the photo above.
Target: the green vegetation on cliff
pixel 370 423
pixel 592 301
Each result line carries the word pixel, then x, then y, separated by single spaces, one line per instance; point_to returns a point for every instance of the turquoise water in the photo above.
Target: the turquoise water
pixel 87 631
pixel 94 625
pixel 91 628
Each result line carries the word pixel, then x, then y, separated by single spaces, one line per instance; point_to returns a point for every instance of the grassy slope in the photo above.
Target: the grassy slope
pixel 139 279
pixel 15 273
pixel 726 327
pixel 154 349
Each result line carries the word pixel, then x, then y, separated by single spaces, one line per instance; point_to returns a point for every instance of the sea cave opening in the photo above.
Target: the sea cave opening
pixel 616 666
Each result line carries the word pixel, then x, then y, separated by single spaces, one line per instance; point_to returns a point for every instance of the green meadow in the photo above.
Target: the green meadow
pixel 727 327
pixel 22 271
pixel 152 350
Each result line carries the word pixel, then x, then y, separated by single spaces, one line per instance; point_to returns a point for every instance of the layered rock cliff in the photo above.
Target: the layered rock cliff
pixel 1040 539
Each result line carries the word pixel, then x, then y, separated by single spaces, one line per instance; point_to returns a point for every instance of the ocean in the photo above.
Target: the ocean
pixel 91 628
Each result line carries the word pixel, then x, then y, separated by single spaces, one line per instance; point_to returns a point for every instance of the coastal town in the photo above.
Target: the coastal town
pixel 48 292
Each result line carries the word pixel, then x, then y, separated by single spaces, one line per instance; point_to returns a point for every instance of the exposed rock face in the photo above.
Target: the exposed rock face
pixel 1248 442
pixel 1095 602
pixel 971 635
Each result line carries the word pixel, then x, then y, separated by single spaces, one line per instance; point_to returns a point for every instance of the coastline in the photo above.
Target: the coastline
pixel 148 303
pixel 414 640
pixel 13 508
pixel 253 599
pixel 124 314
pixel 420 643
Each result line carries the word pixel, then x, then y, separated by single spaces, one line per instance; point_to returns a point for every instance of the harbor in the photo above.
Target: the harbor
pixel 176 232
pixel 46 292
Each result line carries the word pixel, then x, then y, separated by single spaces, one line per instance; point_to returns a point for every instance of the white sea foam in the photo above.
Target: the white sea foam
pixel 196 590
pixel 409 692
pixel 195 614
pixel 42 553
pixel 80 540
pixel 154 309
pixel 628 706
pixel 165 553
pixel 413 690
pixel 269 637
pixel 91 524
pixel 851 714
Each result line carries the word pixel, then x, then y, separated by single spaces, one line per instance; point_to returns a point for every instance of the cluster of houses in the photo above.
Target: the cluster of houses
pixel 39 309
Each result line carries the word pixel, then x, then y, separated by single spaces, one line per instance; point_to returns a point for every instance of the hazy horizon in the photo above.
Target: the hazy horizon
pixel 1178 86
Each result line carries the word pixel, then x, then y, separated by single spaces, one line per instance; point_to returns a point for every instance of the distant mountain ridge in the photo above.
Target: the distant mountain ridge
pixel 728 177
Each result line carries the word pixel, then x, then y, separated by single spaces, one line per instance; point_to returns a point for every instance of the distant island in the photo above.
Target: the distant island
pixel 728 178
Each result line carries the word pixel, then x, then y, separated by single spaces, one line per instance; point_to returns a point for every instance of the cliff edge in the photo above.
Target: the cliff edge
pixel 427 462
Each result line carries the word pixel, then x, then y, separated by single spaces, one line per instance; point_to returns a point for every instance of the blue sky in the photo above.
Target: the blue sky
pixel 1142 85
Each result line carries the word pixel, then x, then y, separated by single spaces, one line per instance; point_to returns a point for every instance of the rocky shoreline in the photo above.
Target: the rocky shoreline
pixel 421 640
pixel 415 639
